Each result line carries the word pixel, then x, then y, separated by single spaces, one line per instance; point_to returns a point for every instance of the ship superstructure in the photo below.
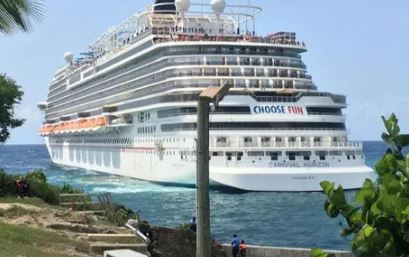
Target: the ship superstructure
pixel 128 105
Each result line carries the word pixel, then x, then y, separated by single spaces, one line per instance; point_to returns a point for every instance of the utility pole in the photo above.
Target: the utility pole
pixel 209 95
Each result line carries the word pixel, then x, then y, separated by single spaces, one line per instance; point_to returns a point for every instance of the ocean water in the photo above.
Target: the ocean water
pixel 274 219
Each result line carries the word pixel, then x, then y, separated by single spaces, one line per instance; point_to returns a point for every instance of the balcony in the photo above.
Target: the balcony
pixel 237 143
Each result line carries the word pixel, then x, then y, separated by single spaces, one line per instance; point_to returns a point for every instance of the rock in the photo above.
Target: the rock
pixel 133 222
pixel 166 242
pixel 79 228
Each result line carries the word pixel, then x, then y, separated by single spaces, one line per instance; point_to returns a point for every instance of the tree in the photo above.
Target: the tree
pixel 18 15
pixel 379 218
pixel 10 95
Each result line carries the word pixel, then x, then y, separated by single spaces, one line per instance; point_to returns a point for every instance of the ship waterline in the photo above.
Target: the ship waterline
pixel 128 106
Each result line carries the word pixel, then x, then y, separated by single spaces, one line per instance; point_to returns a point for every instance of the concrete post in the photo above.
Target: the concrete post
pixel 202 170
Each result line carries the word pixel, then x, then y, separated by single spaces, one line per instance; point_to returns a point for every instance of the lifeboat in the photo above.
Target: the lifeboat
pixel 82 123
pixel 78 124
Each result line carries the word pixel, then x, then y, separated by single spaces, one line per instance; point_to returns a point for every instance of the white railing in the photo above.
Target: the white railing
pixel 292 145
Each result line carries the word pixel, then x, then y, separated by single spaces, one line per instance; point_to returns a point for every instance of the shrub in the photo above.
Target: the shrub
pixel 7 186
pixel 379 218
pixel 36 175
pixel 48 193
pixel 2 179
pixel 184 227
pixel 115 213
pixel 68 189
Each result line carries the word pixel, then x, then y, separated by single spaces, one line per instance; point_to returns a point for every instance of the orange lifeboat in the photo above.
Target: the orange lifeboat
pixel 101 121
pixel 82 123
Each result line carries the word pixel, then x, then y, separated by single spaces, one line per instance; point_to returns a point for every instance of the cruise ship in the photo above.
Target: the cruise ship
pixel 127 106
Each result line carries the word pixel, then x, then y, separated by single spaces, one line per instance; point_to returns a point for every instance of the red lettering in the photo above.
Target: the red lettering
pixel 295 110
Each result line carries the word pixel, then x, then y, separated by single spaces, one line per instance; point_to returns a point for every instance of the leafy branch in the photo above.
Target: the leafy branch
pixel 379 217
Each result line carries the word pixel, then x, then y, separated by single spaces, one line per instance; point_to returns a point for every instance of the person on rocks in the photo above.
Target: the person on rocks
pixel 243 249
pixel 235 246
pixel 193 225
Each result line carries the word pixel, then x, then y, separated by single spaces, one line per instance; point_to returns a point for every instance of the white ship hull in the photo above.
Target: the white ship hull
pixel 143 163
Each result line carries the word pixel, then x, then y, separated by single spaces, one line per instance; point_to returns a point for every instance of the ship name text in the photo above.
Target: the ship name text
pixel 278 109
pixel 310 164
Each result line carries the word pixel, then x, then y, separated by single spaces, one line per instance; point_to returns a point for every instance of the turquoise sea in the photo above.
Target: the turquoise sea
pixel 276 219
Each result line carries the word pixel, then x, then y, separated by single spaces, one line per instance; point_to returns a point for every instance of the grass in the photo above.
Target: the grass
pixel 17 211
pixel 30 201
pixel 23 241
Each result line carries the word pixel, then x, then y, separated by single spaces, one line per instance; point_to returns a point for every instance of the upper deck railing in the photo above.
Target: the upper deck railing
pixel 293 145
pixel 197 22
pixel 168 36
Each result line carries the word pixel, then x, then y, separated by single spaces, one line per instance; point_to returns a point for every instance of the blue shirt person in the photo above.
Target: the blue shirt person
pixel 235 245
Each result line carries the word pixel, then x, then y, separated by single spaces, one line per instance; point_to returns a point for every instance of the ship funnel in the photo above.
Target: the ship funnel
pixel 165 7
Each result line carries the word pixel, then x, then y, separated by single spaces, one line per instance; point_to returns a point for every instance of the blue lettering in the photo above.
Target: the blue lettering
pixel 268 109
pixel 257 109
pixel 274 109
pixel 282 109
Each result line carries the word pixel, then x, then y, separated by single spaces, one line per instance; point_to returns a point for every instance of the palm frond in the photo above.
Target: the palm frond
pixel 19 15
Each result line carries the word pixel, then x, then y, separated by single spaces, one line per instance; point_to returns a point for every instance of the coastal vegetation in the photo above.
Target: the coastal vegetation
pixel 21 240
pixel 38 186
pixel 37 222
pixel 10 95
pixel 379 217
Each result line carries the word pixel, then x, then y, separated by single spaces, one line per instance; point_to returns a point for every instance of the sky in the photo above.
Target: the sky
pixel 356 48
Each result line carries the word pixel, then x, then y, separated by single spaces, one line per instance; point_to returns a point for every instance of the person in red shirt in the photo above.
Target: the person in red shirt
pixel 243 249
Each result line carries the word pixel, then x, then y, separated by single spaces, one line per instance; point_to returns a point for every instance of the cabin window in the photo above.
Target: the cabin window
pixel 221 140
pixel 255 153
pixel 248 140
pixel 273 155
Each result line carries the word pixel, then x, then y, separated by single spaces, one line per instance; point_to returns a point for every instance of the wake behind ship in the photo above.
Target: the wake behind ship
pixel 128 106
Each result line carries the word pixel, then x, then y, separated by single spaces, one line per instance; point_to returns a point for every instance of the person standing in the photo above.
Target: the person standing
pixel 193 224
pixel 243 249
pixel 235 246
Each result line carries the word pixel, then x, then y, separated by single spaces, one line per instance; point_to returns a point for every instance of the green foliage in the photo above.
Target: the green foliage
pixel 320 253
pixel 36 175
pixel 2 180
pixel 38 186
pixel 116 214
pixel 10 95
pixel 68 189
pixel 17 211
pixel 379 217
pixel 23 240
pixel 184 226
pixel 47 192
pixel 17 15
pixel 7 186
